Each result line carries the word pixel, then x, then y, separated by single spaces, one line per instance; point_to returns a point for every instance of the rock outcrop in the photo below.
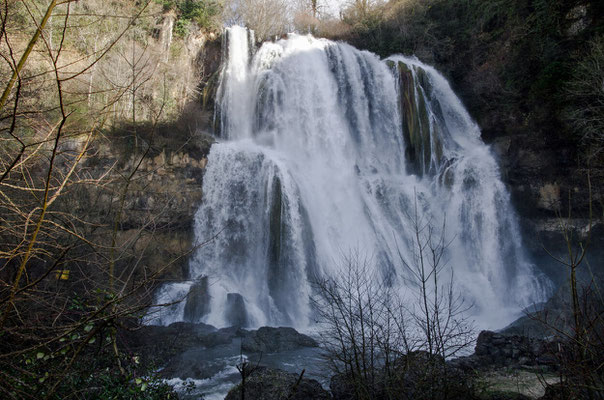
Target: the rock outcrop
pixel 273 340
pixel 175 346
pixel 496 350
pixel 198 301
pixel 236 313
pixel 273 384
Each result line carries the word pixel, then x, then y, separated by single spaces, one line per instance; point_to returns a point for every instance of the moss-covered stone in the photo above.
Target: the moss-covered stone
pixel 424 131
pixel 409 115
pixel 274 246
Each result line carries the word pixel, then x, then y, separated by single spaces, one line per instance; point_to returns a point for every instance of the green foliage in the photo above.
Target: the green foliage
pixel 181 27
pixel 111 385
pixel 200 12
pixel 94 375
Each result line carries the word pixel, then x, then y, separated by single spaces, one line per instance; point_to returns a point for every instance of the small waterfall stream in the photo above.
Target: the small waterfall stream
pixel 326 149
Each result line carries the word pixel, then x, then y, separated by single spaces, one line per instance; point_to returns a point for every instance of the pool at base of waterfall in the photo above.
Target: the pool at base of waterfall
pixel 219 384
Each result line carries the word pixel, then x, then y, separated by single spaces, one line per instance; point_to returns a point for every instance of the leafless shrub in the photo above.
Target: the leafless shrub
pixel 71 272
pixel 586 90
pixel 373 335
pixel 579 326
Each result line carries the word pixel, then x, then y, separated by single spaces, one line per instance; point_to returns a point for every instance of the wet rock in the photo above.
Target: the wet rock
pixel 196 363
pixel 274 384
pixel 505 396
pixel 160 343
pixel 500 350
pixel 198 301
pixel 272 340
pixel 236 313
pixel 222 336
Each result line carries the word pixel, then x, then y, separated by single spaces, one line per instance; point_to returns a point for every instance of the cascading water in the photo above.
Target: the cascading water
pixel 327 149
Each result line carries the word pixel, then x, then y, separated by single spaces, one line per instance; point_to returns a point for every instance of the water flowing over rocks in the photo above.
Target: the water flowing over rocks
pixel 200 351
pixel 326 149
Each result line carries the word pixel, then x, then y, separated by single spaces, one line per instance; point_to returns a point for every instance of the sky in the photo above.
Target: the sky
pixel 332 6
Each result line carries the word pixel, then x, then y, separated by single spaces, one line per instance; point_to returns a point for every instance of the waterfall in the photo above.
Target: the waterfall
pixel 326 149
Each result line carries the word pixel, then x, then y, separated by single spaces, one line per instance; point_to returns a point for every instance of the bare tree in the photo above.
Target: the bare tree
pixel 379 341
pixel 71 274
pixel 267 18
pixel 439 310
pixel 578 327
pixel 586 111
pixel 362 331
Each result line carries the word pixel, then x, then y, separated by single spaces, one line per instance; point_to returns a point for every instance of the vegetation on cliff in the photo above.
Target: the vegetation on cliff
pixel 530 73
pixel 92 188
pixel 513 62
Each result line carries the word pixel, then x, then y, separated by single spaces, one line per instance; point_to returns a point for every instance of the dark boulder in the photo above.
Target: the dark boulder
pixel 420 375
pixel 501 350
pixel 497 350
pixel 198 301
pixel 273 384
pixel 236 313
pixel 222 336
pixel 504 396
pixel 273 340
pixel 159 343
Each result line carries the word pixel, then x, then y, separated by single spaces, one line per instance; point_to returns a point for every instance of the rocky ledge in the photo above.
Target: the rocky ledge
pixel 503 366
pixel 274 384
pixel 498 350
pixel 173 345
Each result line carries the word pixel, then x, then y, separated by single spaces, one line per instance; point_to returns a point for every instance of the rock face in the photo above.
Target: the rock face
pixel 543 180
pixel 188 350
pixel 272 340
pixel 236 313
pixel 159 205
pixel 273 384
pixel 164 162
pixel 198 301
pixel 513 351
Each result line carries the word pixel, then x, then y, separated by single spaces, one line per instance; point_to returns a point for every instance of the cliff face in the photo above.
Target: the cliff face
pixel 152 171
pixel 551 192
pixel 167 164
pixel 158 206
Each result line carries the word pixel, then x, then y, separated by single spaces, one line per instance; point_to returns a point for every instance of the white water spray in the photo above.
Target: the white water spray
pixel 327 149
